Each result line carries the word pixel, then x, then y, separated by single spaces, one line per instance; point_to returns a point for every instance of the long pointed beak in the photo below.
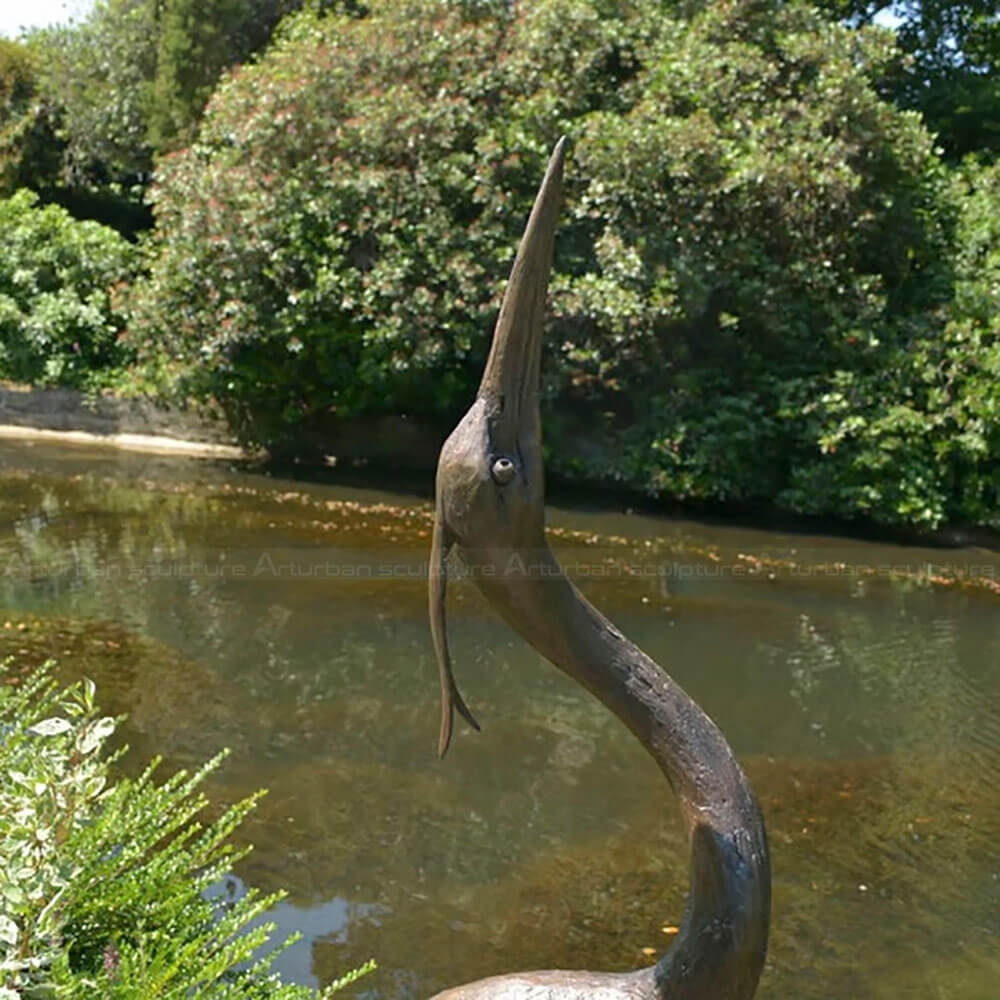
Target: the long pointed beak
pixel 510 383
pixel 511 378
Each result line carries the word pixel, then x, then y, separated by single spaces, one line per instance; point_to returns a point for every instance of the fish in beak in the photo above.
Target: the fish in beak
pixel 490 485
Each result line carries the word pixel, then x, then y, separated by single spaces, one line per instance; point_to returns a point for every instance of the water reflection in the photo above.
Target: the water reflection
pixel 329 922
pixel 288 623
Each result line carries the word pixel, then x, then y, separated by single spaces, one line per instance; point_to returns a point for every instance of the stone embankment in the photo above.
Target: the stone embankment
pixel 133 424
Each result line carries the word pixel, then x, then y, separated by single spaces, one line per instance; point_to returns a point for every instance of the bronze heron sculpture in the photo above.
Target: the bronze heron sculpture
pixel 490 500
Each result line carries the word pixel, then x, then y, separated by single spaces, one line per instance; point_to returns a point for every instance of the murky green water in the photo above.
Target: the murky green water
pixel 288 622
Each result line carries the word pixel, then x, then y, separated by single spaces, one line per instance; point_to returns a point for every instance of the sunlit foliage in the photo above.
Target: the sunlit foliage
pixel 105 883
pixel 59 319
pixel 751 233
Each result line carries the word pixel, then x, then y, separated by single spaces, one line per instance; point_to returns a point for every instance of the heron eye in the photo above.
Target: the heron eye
pixel 503 471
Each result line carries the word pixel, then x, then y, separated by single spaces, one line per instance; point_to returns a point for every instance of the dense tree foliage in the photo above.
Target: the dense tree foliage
pixel 952 73
pixel 30 152
pixel 128 82
pixel 915 432
pixel 59 320
pixel 97 73
pixel 196 41
pixel 950 57
pixel 746 217
pixel 770 286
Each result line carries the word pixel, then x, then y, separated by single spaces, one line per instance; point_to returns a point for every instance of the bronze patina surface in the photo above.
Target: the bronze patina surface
pixel 490 507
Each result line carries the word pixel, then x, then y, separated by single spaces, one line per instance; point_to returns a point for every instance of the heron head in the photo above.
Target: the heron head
pixel 490 481
pixel 490 488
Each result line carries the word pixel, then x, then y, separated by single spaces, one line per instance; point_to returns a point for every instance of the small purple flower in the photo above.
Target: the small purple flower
pixel 111 959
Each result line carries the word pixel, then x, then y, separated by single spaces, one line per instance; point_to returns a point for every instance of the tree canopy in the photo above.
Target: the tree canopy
pixel 773 283
pixel 746 216
pixel 950 56
pixel 127 83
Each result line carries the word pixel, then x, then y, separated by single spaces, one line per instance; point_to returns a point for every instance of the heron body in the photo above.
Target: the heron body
pixel 490 506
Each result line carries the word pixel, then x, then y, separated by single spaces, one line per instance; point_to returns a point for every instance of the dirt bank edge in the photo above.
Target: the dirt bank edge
pixel 32 413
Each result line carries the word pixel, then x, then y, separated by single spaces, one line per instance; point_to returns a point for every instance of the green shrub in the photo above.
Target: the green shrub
pixel 754 245
pixel 103 882
pixel 339 236
pixel 59 317
pixel 915 439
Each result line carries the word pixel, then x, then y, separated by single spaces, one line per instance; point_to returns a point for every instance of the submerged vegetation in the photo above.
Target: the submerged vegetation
pixel 773 284
pixel 875 670
pixel 106 883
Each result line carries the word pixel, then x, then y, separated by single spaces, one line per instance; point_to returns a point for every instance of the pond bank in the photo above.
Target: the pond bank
pixel 151 443
pixel 372 448
pixel 63 415
pixel 140 424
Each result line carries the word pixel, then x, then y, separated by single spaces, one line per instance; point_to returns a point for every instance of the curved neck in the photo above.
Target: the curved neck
pixel 719 952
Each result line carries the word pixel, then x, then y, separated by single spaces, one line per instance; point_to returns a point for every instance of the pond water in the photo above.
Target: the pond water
pixel 288 622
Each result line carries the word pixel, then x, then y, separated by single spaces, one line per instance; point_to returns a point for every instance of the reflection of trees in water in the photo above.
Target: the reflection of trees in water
pixel 86 545
pixel 865 906
pixel 887 872
pixel 900 678
pixel 550 839
pixel 161 562
pixel 885 863
pixel 904 866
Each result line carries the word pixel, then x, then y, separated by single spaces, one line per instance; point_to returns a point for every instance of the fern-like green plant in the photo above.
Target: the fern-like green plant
pixel 104 882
